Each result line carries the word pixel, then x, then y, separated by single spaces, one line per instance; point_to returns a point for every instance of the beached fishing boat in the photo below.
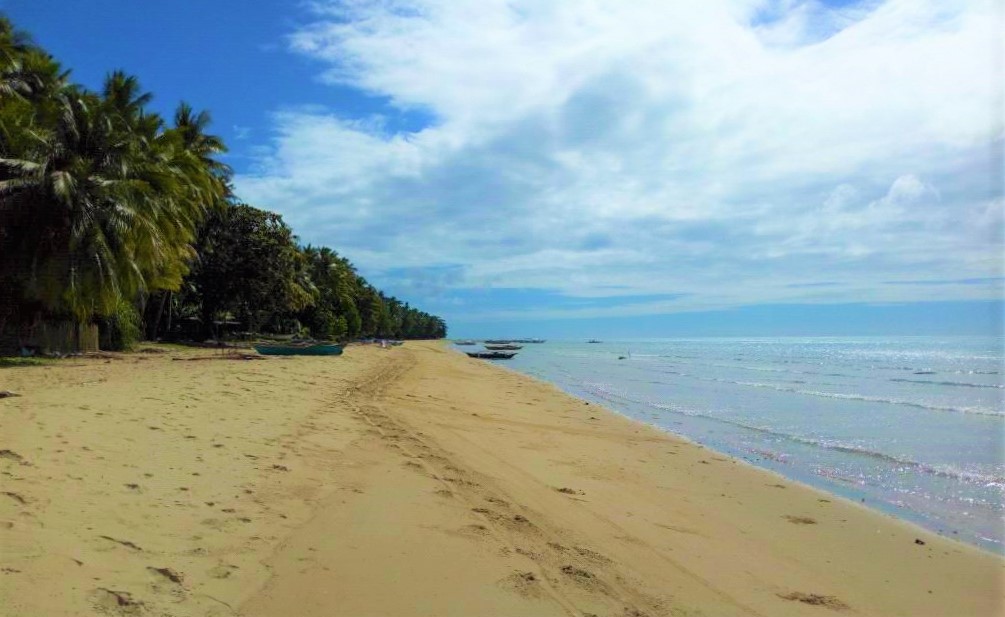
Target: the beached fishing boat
pixel 312 349
pixel 491 355
pixel 503 347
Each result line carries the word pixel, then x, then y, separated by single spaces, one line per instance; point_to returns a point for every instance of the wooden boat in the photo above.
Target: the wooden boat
pixel 529 340
pixel 491 355
pixel 311 349
pixel 499 341
pixel 465 342
pixel 503 347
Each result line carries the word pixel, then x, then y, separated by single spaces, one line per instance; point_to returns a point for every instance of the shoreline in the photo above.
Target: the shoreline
pixel 780 476
pixel 416 481
pixel 838 427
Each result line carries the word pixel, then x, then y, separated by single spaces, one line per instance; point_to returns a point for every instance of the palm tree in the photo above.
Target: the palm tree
pixel 105 203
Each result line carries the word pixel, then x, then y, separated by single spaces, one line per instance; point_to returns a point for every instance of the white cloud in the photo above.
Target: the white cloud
pixel 727 150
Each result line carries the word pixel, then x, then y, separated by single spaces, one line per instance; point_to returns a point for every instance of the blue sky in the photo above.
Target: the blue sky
pixel 578 168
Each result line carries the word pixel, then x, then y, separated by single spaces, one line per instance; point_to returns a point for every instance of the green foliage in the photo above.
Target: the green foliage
pixel 121 330
pixel 100 201
pixel 110 214
pixel 249 267
pixel 15 362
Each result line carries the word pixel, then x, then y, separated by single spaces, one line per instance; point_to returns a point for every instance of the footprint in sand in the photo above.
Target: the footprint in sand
pixel 814 599
pixel 125 543
pixel 569 491
pixel 526 584
pixel 168 573
pixel 13 456
pixel 16 497
pixel 116 602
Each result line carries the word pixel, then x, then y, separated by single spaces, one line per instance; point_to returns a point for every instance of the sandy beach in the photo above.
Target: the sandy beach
pixel 414 481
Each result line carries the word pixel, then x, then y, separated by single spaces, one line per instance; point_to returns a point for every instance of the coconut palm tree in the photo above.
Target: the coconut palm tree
pixel 104 204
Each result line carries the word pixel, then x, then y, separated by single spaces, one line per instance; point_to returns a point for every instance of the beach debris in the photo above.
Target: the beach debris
pixel 125 543
pixel 569 491
pixel 8 394
pixel 814 599
pixel 168 573
pixel 919 541
pixel 800 520
pixel 280 467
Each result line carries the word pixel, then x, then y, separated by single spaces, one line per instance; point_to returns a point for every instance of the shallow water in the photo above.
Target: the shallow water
pixel 913 426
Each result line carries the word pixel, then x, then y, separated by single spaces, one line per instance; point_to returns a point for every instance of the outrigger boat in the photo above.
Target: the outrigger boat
pixel 491 355
pixel 310 349
pixel 465 342
pixel 503 347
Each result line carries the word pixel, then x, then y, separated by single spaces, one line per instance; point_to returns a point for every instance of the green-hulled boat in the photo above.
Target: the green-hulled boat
pixel 313 349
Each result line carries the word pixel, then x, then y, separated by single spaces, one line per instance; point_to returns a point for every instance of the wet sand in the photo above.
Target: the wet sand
pixel 414 481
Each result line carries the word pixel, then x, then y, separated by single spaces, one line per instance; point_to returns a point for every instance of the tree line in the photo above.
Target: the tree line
pixel 113 215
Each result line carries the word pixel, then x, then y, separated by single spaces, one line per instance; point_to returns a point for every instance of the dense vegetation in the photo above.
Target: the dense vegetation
pixel 111 215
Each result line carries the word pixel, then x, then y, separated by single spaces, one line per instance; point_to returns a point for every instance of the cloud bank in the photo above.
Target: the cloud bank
pixel 676 156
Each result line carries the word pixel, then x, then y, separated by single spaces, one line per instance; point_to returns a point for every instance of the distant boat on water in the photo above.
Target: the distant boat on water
pixel 529 340
pixel 499 341
pixel 491 355
pixel 507 347
pixel 465 342
pixel 311 349
pixel 593 340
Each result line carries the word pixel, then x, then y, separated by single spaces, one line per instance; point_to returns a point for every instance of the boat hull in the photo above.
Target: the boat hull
pixel 294 350
pixel 491 355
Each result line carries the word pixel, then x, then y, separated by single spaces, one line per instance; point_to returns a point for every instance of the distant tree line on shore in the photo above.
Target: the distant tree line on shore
pixel 112 216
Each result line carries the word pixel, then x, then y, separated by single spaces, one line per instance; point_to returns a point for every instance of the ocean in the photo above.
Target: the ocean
pixel 911 426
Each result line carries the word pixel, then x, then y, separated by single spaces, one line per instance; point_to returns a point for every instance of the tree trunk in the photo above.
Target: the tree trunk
pixel 160 313
pixel 170 310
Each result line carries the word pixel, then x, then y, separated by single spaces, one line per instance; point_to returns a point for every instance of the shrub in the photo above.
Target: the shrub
pixel 121 330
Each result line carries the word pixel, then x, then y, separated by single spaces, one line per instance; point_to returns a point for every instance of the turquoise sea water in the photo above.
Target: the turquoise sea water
pixel 914 426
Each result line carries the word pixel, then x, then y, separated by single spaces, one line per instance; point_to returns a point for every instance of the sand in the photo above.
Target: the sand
pixel 414 481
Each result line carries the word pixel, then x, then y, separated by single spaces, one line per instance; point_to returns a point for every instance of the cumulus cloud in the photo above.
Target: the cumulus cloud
pixel 708 154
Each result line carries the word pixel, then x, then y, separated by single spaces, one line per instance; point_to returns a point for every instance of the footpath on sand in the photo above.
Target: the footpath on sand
pixel 414 481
